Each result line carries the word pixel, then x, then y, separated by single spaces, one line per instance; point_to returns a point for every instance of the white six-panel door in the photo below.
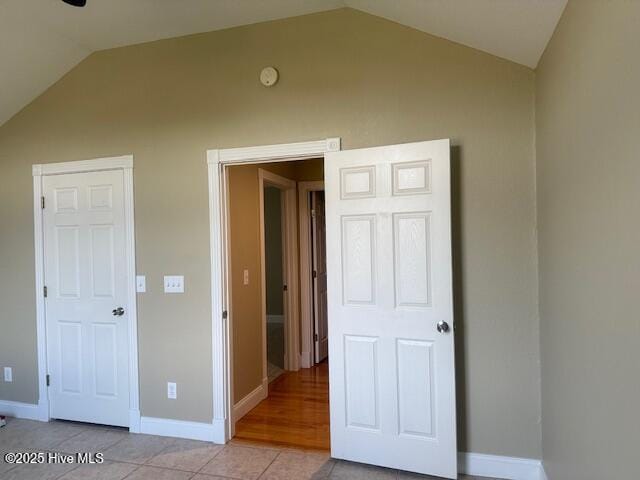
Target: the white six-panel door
pixel 85 276
pixel 392 382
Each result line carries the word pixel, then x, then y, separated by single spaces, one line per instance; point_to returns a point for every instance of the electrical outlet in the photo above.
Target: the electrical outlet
pixel 172 390
pixel 8 374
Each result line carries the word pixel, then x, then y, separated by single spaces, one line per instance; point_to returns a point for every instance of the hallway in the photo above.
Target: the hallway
pixel 295 414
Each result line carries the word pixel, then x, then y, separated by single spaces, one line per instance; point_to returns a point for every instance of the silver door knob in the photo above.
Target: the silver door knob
pixel 118 312
pixel 443 327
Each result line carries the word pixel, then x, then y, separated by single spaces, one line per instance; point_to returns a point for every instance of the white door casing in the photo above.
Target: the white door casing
pixel 305 189
pixel 221 315
pixel 319 236
pixel 392 374
pixel 86 278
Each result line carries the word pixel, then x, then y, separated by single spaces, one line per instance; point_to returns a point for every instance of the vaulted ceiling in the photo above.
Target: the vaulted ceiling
pixel 42 40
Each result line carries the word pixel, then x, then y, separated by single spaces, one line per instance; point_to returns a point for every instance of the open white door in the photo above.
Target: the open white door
pixel 319 237
pixel 391 349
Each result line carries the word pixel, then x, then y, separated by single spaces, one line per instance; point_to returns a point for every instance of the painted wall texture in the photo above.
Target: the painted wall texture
pixel 588 119
pixel 343 73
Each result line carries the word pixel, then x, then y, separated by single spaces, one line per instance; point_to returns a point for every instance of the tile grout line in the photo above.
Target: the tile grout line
pixel 82 430
pixel 214 456
pixel 138 467
pixel 267 467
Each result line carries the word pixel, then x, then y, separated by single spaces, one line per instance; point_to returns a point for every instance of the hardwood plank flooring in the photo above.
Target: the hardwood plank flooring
pixel 295 414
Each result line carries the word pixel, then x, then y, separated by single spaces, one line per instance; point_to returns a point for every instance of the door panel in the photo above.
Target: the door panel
pixel 361 373
pixel 84 249
pixel 392 376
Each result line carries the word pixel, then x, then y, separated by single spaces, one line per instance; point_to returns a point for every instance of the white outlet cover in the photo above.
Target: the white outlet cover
pixel 141 284
pixel 8 374
pixel 174 284
pixel 172 390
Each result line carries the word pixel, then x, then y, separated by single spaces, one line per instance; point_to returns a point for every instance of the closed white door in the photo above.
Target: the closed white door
pixel 391 348
pixel 320 276
pixel 86 310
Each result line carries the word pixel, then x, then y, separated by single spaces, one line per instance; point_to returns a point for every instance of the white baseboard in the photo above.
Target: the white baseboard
pixel 275 319
pixel 220 434
pixel 177 428
pixel 543 473
pixel 510 468
pixel 28 411
pixel 249 402
pixel 134 421
pixel 305 360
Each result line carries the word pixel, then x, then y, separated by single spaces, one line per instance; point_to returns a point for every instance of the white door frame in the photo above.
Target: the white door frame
pixel 290 270
pixel 218 238
pixel 307 358
pixel 124 163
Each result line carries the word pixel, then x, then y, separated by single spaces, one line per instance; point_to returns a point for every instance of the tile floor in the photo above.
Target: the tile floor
pixel 147 457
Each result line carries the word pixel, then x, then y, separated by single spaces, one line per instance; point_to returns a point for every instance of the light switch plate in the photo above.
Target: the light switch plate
pixel 172 390
pixel 245 277
pixel 8 374
pixel 174 284
pixel 141 284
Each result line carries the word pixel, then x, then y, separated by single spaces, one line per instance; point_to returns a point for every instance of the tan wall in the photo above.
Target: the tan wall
pixel 244 232
pixel 588 124
pixel 343 73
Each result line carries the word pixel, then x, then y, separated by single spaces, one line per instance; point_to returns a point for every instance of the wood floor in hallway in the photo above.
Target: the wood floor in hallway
pixel 295 414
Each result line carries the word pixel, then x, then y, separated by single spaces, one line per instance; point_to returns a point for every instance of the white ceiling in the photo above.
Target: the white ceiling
pixel 42 40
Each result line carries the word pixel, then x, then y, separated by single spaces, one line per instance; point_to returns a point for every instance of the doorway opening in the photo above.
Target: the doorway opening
pixel 388 232
pixel 279 364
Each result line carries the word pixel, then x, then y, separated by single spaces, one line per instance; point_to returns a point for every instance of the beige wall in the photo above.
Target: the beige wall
pixel 343 73
pixel 244 233
pixel 588 125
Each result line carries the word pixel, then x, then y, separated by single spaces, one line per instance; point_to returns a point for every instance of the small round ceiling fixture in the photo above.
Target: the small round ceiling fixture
pixel 269 76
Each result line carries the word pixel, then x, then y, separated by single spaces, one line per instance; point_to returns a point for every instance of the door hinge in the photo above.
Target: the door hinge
pixel 225 314
pixel 48 380
pixel 42 201
pixel 313 214
pixel 45 291
pixel 284 288
pixel 315 337
pixel 314 274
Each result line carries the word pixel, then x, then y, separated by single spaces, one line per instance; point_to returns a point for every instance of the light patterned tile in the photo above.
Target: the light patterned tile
pixel 137 448
pixel 189 455
pixel 4 466
pixel 360 471
pixel 155 473
pixel 94 440
pixel 42 471
pixel 104 471
pixel 292 465
pixel 204 476
pixel 39 436
pixel 240 462
pixel 245 442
